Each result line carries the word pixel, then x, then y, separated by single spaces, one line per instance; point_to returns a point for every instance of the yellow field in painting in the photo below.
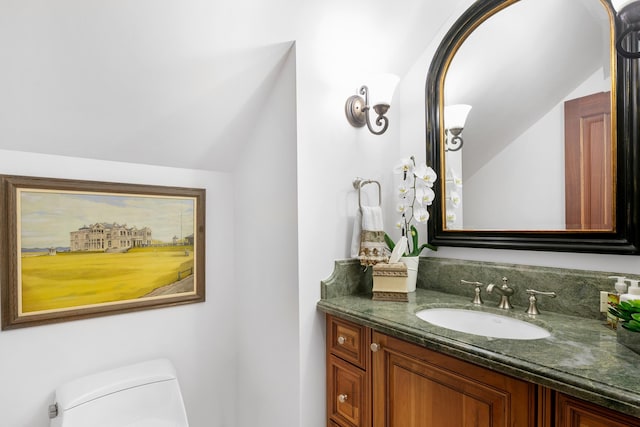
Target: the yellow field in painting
pixel 75 279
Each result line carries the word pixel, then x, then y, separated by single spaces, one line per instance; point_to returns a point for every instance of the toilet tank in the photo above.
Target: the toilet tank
pixel 146 394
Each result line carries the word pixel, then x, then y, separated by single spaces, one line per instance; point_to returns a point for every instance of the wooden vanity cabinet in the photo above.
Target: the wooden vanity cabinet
pixel 417 387
pixel 375 380
pixel 399 384
pixel 572 412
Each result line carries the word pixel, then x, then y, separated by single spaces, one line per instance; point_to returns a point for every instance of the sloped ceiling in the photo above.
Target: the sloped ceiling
pixel 174 82
pixel 168 83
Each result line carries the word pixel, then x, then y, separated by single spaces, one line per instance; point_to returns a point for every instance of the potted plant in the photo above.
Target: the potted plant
pixel 415 193
pixel 628 330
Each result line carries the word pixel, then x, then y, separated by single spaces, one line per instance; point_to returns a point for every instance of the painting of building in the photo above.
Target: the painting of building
pixel 109 237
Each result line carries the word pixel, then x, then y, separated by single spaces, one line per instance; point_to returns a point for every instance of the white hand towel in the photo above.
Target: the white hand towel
pixel 368 236
pixel 372 218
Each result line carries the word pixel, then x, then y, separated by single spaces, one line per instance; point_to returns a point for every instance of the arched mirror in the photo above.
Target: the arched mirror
pixel 532 128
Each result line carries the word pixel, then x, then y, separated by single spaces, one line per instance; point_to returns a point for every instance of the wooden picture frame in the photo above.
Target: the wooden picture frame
pixel 73 249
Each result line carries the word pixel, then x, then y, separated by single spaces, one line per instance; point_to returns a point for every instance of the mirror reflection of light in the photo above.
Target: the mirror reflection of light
pixel 455 116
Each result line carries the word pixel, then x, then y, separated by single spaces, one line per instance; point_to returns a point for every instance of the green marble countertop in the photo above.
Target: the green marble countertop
pixel 581 357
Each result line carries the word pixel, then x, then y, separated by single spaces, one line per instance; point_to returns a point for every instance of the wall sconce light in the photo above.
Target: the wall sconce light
pixel 455 117
pixel 380 90
pixel 627 27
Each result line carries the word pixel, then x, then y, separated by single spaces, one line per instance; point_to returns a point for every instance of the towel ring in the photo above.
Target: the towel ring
pixel 358 183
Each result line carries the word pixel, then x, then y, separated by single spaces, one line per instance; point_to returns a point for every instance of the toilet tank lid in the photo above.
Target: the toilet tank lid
pixel 91 387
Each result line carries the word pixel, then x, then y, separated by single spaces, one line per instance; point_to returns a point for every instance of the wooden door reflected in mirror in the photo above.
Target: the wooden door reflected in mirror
pixel 588 163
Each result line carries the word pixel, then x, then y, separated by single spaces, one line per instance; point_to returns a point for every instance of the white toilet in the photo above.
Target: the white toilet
pixel 142 395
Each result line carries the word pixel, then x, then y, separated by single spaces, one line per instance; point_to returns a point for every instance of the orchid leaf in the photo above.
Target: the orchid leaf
pixel 390 243
pixel 427 246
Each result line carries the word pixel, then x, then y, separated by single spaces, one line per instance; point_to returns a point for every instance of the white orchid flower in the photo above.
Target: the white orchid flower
pixel 415 193
pixel 403 190
pixel 406 165
pixel 453 177
pixel 421 215
pixel 426 174
pixel 454 197
pixel 425 196
pixel 451 217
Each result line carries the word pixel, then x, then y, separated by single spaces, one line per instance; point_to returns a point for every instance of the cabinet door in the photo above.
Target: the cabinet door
pixel 416 387
pixel 572 412
pixel 348 389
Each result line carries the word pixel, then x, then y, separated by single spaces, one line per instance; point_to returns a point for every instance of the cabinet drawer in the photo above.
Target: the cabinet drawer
pixel 348 341
pixel 347 394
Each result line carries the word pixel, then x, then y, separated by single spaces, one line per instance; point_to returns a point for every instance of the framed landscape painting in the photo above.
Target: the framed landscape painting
pixel 75 249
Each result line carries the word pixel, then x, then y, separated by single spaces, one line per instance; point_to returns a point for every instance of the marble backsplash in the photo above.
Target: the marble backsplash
pixel 578 290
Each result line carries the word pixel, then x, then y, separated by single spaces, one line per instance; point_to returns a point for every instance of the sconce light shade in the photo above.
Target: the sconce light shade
pixel 382 87
pixel 627 27
pixel 377 95
pixel 455 116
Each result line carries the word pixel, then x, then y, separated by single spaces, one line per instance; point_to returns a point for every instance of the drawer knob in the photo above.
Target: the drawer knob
pixel 341 340
pixel 342 398
pixel 375 347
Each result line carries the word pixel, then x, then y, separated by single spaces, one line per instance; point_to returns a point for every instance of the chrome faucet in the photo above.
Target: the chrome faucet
pixel 505 292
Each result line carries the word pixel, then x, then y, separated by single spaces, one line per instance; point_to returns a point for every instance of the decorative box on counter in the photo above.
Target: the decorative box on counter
pixel 390 282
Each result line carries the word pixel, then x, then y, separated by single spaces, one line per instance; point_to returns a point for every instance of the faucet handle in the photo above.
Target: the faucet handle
pixel 477 299
pixel 533 307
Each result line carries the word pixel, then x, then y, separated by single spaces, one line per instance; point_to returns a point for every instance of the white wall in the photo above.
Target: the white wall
pixel 522 186
pixel 195 337
pixel 266 260
pixel 349 42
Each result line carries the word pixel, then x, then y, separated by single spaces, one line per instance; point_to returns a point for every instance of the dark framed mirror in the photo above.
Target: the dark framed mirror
pixel 522 180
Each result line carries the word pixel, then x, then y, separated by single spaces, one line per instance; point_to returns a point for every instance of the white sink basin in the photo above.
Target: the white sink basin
pixel 481 323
